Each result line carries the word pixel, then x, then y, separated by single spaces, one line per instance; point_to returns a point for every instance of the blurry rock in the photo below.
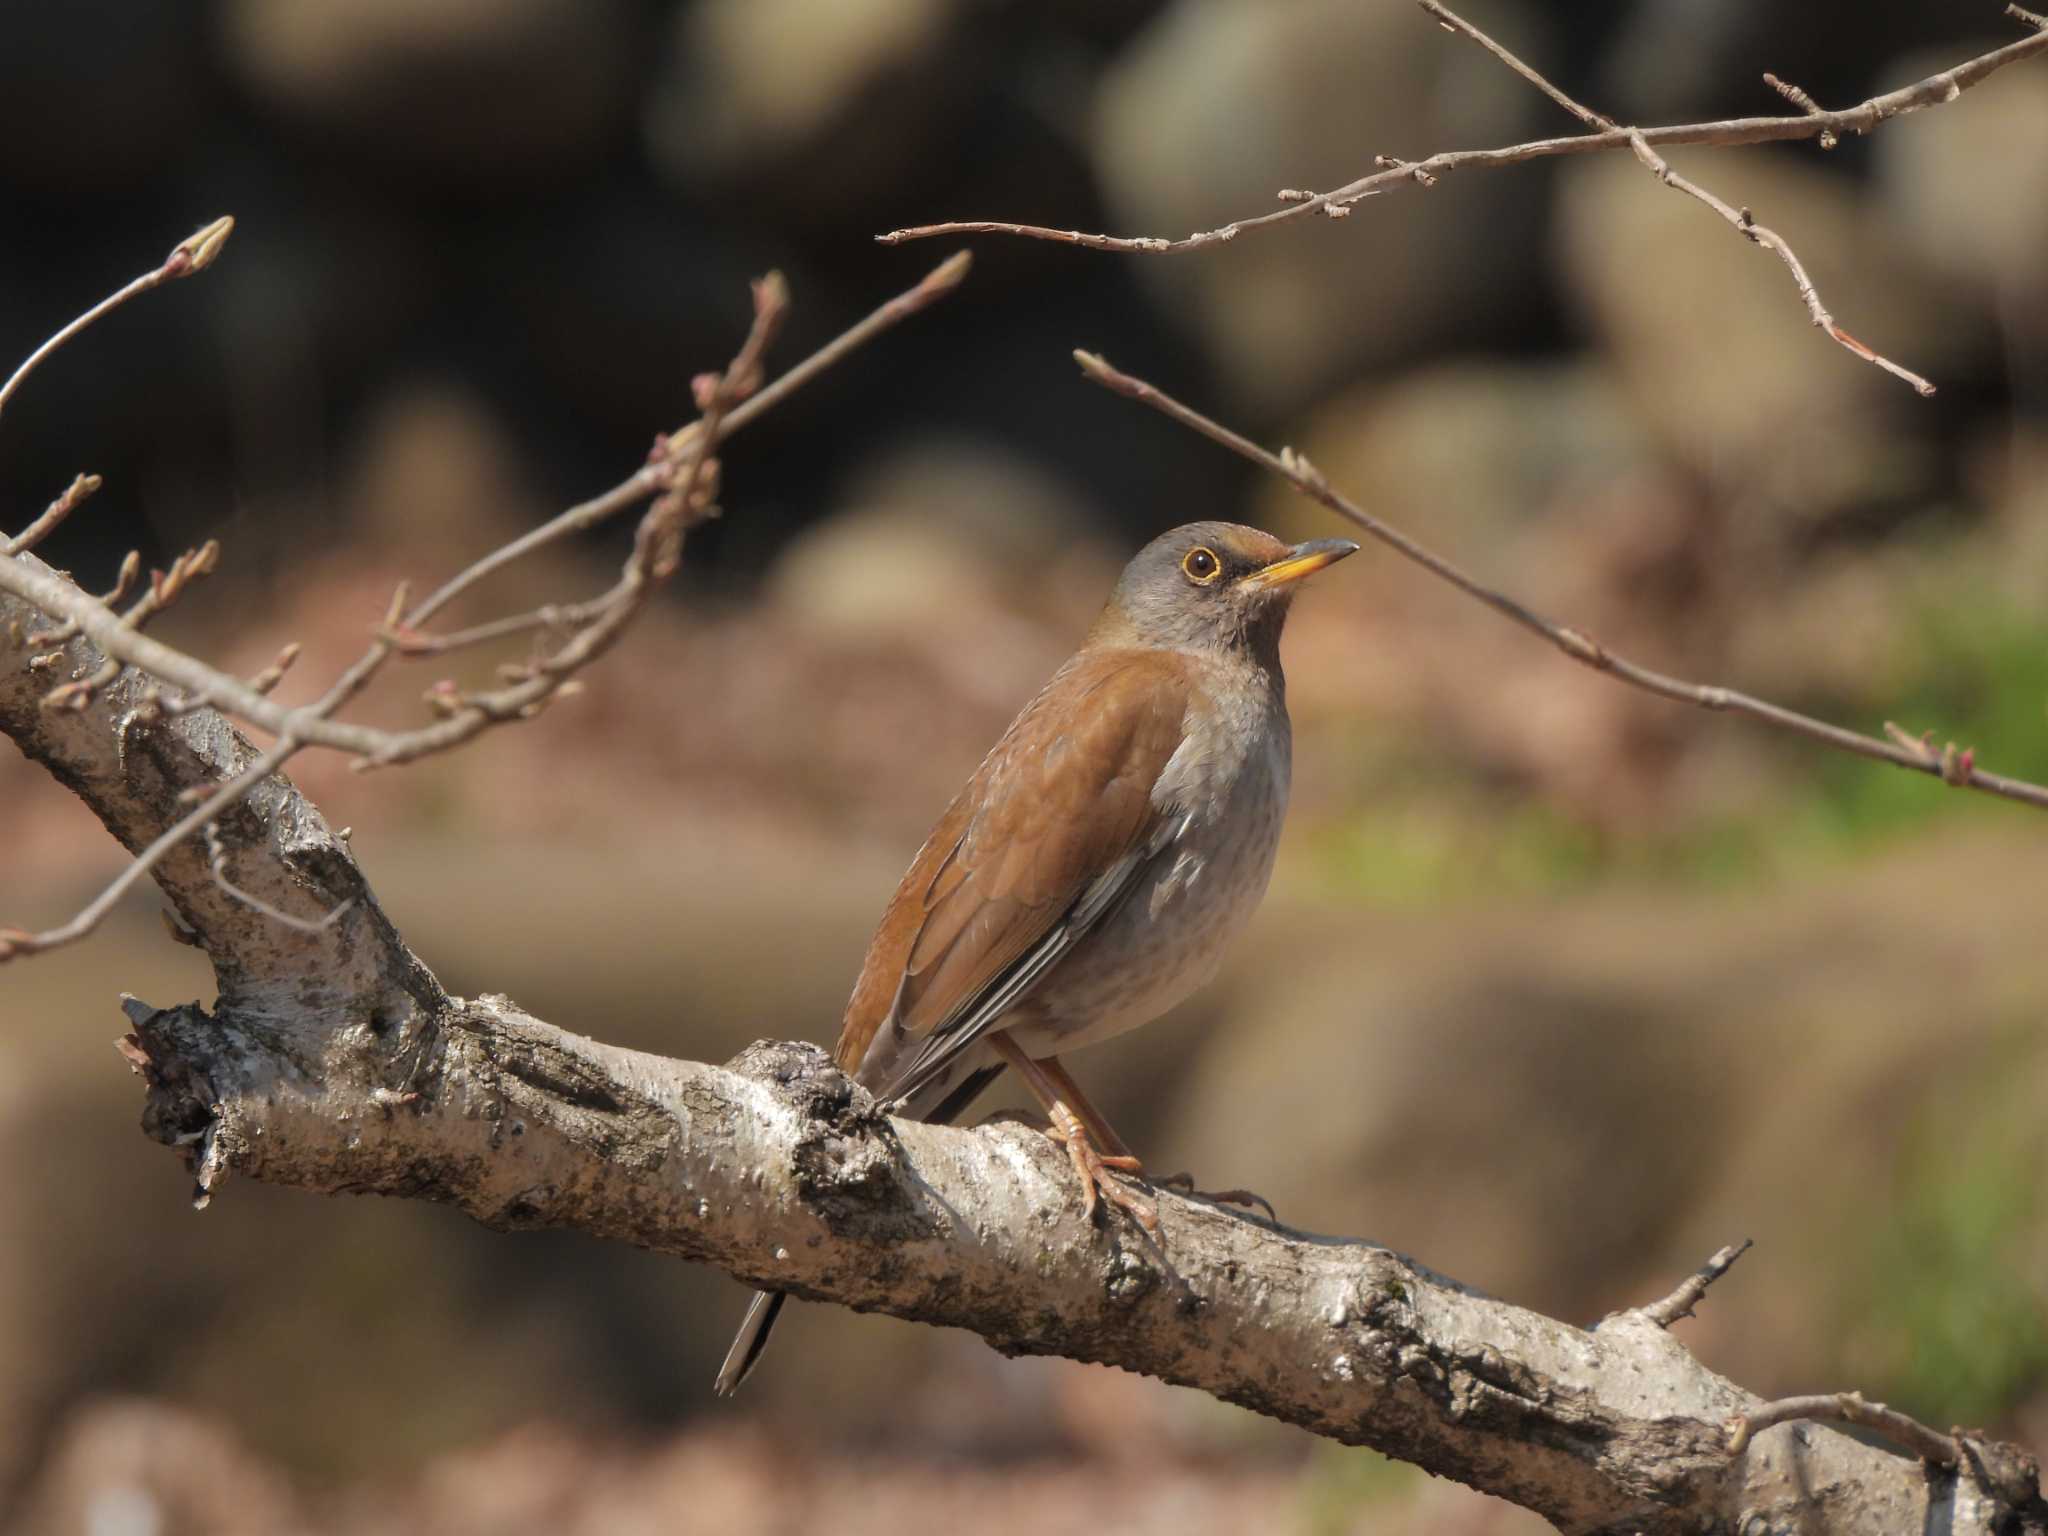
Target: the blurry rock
pixel 1217 106
pixel 1541 480
pixel 1570 1106
pixel 438 480
pixel 1681 60
pixel 959 526
pixel 1716 349
pixel 463 86
pixel 969 557
pixel 818 105
pixel 141 1467
pixel 146 1468
pixel 1967 189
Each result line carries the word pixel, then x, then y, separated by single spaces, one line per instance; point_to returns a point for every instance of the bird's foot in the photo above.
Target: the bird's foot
pixel 1097 1171
pixel 1184 1183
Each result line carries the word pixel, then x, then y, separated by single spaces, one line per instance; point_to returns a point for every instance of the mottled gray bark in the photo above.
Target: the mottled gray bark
pixel 334 1061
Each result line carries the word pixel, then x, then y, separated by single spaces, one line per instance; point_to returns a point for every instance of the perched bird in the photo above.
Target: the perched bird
pixel 1091 872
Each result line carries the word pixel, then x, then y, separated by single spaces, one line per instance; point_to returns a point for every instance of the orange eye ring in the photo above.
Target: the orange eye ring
pixel 1200 565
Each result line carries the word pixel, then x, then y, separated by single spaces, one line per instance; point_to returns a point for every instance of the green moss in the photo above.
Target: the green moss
pixel 1978 677
pixel 1427 836
pixel 1955 1290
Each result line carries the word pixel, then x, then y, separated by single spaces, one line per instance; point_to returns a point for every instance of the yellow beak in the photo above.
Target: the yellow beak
pixel 1302 560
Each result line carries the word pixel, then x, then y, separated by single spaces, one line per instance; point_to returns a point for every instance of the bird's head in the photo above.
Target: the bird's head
pixel 1211 587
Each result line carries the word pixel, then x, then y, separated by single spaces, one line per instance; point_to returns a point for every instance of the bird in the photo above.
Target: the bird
pixel 1091 872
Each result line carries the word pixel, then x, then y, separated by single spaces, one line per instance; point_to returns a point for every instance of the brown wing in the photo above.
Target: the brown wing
pixel 1026 856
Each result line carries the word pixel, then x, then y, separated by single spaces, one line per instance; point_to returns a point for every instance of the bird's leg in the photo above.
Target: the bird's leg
pixel 1099 1128
pixel 1071 1094
pixel 1090 1162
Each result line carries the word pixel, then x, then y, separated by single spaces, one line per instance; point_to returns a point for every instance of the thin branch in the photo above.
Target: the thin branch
pixel 1679 1304
pixel 1642 142
pixel 560 618
pixel 34 534
pixel 217 860
pixel 2027 17
pixel 165 588
pixel 16 942
pixel 1451 22
pixel 1804 102
pixel 311 724
pixel 1658 166
pixel 1962 772
pixel 1723 133
pixel 1847 1408
pixel 194 253
pixel 657 547
pixel 935 285
pixel 681 476
pixel 1746 226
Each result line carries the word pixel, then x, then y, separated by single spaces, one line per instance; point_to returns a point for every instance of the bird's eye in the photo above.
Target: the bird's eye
pixel 1201 565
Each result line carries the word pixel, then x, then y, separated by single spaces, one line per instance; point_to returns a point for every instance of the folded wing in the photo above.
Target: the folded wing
pixel 1053 831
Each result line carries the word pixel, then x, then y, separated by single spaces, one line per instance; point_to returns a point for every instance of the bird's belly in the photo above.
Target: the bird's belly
pixel 1169 936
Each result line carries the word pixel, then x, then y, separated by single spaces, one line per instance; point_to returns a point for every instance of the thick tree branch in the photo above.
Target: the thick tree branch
pixel 333 1061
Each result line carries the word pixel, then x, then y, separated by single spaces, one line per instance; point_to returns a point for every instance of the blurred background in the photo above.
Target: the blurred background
pixel 1559 987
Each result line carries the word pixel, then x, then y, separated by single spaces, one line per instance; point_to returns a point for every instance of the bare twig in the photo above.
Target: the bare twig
pixel 2027 17
pixel 217 860
pixel 194 253
pixel 165 588
pixel 1847 1408
pixel 1679 1304
pixel 560 618
pixel 34 534
pixel 1742 222
pixel 1306 478
pixel 16 942
pixel 1451 22
pixel 1814 123
pixel 1725 133
pixel 1805 103
pixel 657 547
pixel 312 724
pixel 681 476
pixel 1746 226
pixel 935 285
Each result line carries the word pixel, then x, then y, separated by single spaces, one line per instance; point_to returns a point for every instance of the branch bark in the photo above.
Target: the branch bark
pixel 334 1061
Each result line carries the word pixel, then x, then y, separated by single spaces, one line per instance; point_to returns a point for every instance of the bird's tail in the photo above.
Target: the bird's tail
pixel 748 1343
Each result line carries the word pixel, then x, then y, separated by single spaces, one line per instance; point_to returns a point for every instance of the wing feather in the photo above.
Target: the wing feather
pixel 1047 837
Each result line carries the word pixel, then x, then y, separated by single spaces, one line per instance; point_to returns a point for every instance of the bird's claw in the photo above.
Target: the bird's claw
pixel 1097 1170
pixel 1184 1183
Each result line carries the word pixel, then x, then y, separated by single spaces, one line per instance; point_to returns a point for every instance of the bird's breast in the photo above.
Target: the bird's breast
pixel 1228 785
